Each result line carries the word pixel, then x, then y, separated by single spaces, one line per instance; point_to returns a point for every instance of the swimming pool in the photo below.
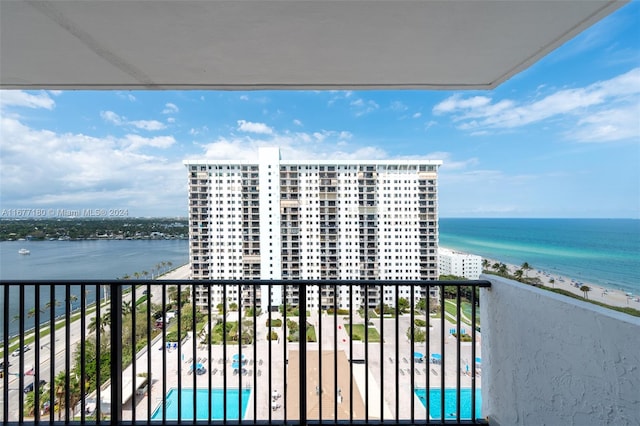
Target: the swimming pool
pixel 202 408
pixel 450 403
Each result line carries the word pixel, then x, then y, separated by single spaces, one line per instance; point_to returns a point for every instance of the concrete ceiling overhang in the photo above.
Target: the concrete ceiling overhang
pixel 282 44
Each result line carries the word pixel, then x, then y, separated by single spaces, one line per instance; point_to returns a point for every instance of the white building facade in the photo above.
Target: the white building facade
pixel 460 264
pixel 313 220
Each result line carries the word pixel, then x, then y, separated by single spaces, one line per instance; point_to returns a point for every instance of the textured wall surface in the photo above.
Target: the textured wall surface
pixel 548 359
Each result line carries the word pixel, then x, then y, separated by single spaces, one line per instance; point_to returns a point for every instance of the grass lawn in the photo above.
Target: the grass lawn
pixel 311 334
pixel 356 331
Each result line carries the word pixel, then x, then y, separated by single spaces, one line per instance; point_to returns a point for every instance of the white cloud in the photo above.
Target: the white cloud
pixel 609 125
pixel 398 106
pixel 297 122
pixel 417 115
pixel 456 102
pixel 113 118
pixel 321 144
pixel 170 108
pixel 80 171
pixel 171 120
pixel 244 98
pixel 135 142
pixel 20 98
pixel 362 107
pixel 148 124
pixel 126 95
pixel 585 108
pixel 260 128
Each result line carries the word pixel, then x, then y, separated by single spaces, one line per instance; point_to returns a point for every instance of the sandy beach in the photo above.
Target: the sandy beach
pixel 598 293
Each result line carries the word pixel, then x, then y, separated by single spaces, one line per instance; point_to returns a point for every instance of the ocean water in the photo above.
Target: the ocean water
pixel 604 252
pixel 73 260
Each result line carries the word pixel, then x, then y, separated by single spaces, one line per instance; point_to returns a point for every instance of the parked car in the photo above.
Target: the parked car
pixel 17 351
pixel 29 387
pixel 2 365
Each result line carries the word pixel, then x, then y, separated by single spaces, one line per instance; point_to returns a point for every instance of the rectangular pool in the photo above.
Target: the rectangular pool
pixel 435 399
pixel 205 403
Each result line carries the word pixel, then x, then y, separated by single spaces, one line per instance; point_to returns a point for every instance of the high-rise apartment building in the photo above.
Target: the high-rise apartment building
pixel 320 219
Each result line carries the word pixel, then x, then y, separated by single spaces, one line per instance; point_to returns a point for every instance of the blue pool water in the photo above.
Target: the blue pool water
pixel 450 403
pixel 202 408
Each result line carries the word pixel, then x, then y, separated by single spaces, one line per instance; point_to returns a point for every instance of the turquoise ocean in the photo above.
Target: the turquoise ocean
pixel 604 252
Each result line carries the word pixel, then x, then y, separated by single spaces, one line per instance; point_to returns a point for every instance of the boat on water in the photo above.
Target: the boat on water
pixel 24 251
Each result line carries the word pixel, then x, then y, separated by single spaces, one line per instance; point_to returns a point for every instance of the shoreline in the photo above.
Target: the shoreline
pixel 599 293
pixel 607 295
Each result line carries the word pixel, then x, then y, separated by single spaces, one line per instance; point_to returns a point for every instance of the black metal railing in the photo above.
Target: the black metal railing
pixel 241 351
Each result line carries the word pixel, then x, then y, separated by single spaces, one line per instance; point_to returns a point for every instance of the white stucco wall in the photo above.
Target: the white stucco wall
pixel 549 359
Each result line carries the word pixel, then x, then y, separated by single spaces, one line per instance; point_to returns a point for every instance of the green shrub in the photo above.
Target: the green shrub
pixel 274 323
pixel 419 322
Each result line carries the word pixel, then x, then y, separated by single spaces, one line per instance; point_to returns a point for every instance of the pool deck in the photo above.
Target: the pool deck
pixel 266 370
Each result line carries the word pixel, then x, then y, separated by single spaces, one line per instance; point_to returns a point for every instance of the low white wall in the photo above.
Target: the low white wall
pixel 548 359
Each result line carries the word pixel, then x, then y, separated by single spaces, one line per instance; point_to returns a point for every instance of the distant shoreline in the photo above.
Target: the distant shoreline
pixel 604 294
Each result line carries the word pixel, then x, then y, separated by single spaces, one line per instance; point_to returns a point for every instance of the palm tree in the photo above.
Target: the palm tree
pixel 172 293
pixel 59 386
pixel 585 289
pixel 30 401
pixel 75 394
pixel 525 267
pixel 485 263
pixel 126 277
pixel 100 323
pixel 32 312
pixel 72 298
pixel 518 274
pixel 126 307
pixel 552 282
pixel 48 305
pixel 145 274
pixel 503 268
pixel 136 275
pixel 95 324
pixel 496 266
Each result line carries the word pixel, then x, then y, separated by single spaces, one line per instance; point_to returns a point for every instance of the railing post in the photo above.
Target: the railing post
pixel 116 352
pixel 302 340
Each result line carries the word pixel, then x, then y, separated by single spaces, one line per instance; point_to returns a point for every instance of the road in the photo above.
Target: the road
pixel 60 350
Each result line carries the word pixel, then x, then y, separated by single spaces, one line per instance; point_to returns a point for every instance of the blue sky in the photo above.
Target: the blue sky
pixel 560 139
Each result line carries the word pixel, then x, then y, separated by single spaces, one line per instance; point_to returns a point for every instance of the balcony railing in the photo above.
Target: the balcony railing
pixel 245 354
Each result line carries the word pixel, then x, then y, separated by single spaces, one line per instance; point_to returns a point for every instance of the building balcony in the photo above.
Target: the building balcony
pixel 533 357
